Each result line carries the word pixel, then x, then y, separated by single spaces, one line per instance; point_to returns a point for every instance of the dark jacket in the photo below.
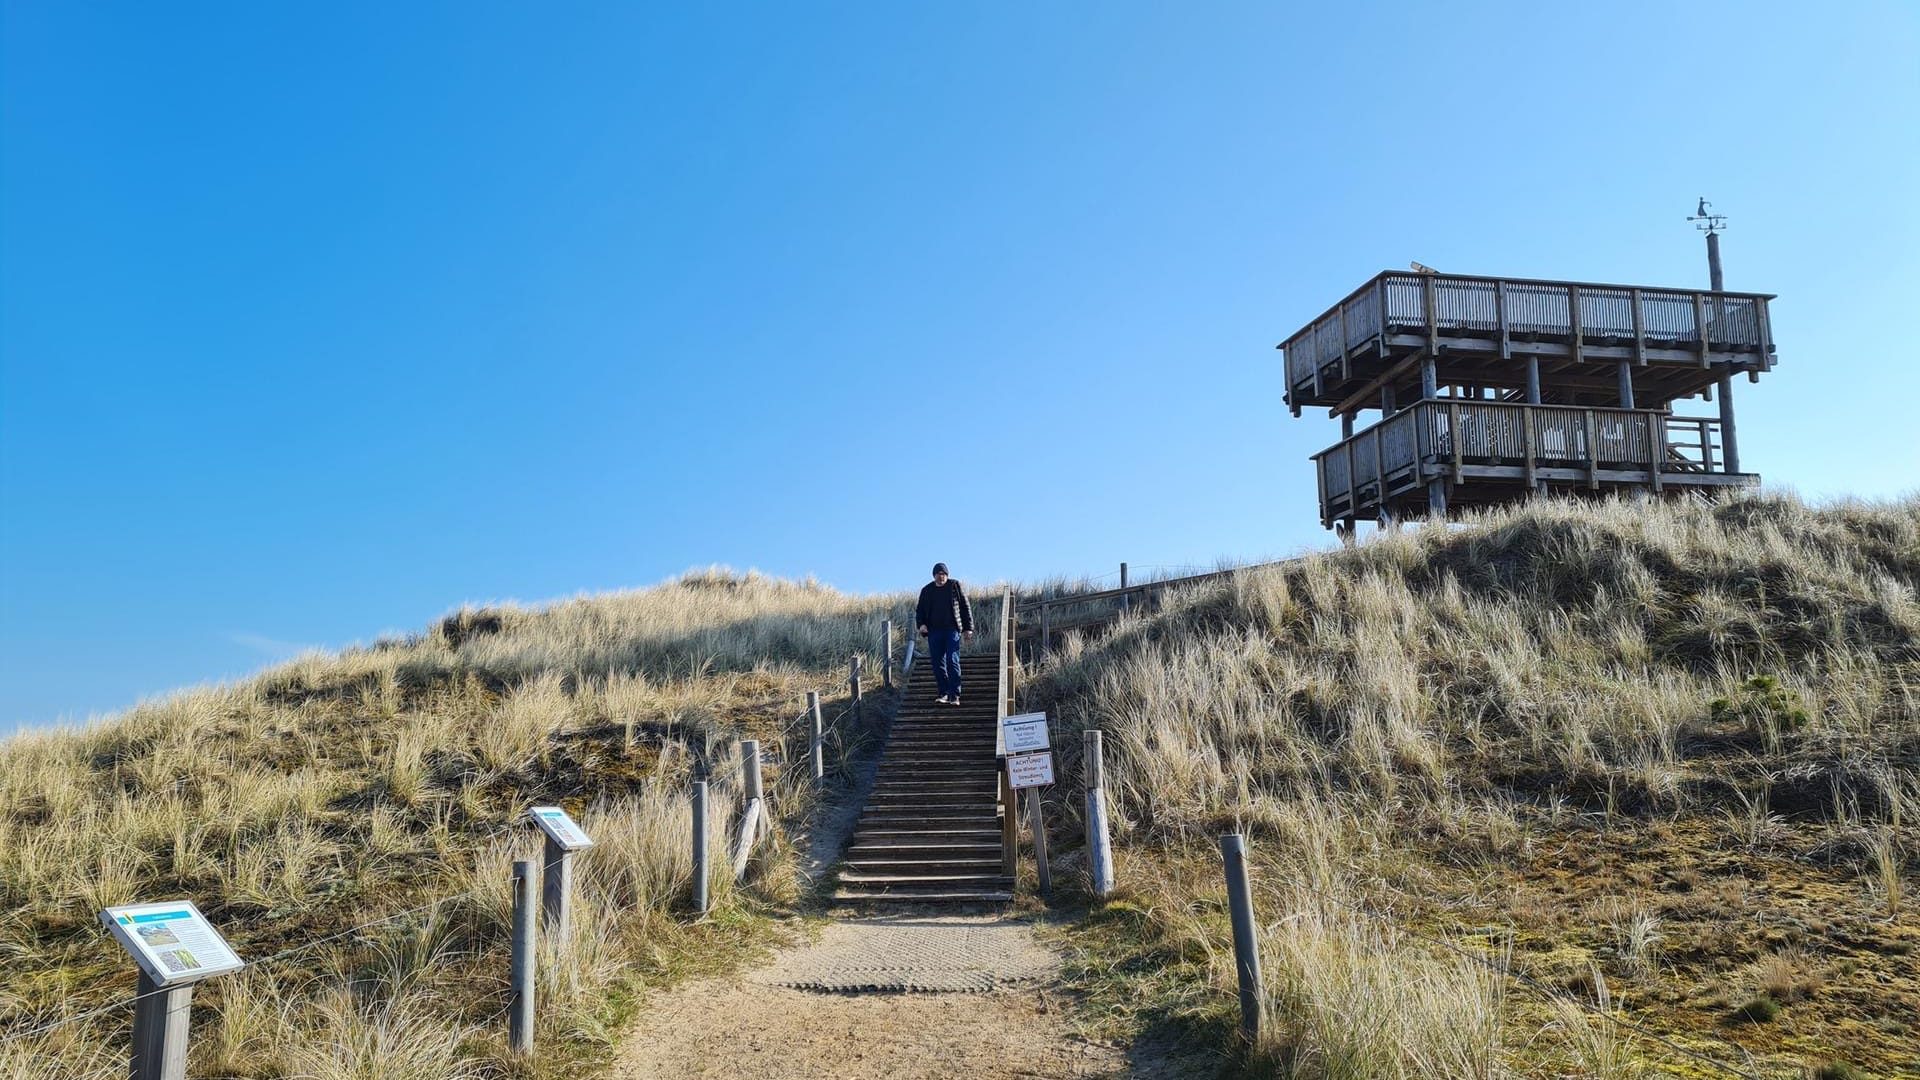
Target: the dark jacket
pixel 944 608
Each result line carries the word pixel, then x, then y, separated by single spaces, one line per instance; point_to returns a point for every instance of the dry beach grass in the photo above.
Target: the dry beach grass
pixel 334 791
pixel 1663 758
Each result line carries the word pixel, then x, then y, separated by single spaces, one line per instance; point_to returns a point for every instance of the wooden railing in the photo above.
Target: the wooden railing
pixel 1440 436
pixel 1450 305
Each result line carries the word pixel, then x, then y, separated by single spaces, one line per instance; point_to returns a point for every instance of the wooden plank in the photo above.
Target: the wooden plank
pixel 1453 436
pixel 1346 372
pixel 1433 314
pixel 1639 332
pixel 1656 447
pixel 1576 336
pixel 1593 454
pixel 1500 318
pixel 1531 455
pixel 1700 324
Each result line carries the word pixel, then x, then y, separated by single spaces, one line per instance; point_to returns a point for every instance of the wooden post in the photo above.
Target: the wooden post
pixel 853 683
pixel 1624 377
pixel 1593 453
pixel 1500 319
pixel 1729 446
pixel 1038 824
pixel 886 653
pixel 1578 335
pixel 1429 379
pixel 1125 600
pixel 1533 380
pixel 1046 628
pixel 160 1027
pixel 1099 844
pixel 556 886
pixel 750 820
pixel 520 971
pixel 1009 825
pixel 701 873
pixel 1246 947
pixel 819 739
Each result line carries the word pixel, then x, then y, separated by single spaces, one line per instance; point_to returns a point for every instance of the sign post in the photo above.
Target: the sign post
pixel 1030 766
pixel 556 873
pixel 175 947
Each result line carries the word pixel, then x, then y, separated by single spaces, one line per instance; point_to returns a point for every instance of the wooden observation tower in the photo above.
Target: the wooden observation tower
pixel 1490 390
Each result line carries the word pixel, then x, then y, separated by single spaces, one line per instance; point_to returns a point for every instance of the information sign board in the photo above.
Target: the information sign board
pixel 558 824
pixel 1030 770
pixel 1025 732
pixel 173 943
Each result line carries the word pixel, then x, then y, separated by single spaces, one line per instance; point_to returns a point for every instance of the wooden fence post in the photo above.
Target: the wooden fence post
pixel 886 652
pixel 1126 601
pixel 556 887
pixel 701 874
pixel 750 821
pixel 1099 846
pixel 1246 947
pixel 520 981
pixel 160 1018
pixel 819 736
pixel 853 683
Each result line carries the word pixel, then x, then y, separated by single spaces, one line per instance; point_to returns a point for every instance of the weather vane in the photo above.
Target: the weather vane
pixel 1707 221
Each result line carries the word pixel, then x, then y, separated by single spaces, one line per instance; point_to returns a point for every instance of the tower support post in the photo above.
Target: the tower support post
pixel 1729 444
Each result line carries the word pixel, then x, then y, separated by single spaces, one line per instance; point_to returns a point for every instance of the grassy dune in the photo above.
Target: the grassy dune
pixel 1662 759
pixel 337 790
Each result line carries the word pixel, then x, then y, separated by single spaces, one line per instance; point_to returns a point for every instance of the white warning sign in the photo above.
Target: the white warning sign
pixel 1027 731
pixel 1030 770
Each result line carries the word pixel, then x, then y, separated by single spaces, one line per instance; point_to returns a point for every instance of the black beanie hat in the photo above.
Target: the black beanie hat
pixel 939 568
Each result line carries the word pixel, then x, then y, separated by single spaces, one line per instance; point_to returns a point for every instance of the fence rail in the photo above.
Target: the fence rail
pixel 1439 437
pixel 1453 306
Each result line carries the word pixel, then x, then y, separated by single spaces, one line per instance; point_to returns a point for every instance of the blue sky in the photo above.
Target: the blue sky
pixel 318 321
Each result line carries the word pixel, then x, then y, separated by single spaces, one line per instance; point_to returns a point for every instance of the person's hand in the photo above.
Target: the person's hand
pixel 969 635
pixel 923 631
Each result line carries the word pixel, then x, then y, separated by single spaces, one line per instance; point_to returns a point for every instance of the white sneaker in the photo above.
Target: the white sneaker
pixel 943 700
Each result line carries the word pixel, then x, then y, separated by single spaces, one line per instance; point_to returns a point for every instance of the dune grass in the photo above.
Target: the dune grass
pixel 337 790
pixel 1628 749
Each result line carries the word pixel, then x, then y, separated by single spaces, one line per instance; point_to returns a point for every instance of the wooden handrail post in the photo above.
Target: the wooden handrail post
pixel 1009 825
pixel 886 653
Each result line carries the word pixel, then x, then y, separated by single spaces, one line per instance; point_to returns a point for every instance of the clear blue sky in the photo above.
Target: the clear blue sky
pixel 316 321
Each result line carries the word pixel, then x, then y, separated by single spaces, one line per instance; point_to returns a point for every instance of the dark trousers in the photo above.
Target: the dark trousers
pixel 943 647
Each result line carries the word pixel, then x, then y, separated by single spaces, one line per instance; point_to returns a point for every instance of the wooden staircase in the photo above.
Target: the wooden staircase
pixel 930 832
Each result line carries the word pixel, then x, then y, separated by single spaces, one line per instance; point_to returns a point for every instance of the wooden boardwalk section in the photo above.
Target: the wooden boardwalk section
pixel 930 832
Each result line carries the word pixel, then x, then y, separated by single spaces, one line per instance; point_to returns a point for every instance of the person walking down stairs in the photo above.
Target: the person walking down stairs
pixel 944 617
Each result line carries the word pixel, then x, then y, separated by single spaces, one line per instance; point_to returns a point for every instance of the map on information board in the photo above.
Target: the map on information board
pixel 173 943
pixel 1027 731
pixel 558 824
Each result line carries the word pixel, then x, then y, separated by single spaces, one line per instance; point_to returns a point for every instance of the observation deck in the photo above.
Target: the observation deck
pixel 1488 452
pixel 1482 331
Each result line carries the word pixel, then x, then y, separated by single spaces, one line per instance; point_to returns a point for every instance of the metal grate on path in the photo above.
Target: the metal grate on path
pixel 914 954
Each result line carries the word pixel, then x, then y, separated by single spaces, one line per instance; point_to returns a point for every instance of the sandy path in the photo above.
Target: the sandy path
pixel 749 1026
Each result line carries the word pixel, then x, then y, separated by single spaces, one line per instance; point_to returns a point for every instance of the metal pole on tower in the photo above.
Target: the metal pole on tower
pixel 1711 223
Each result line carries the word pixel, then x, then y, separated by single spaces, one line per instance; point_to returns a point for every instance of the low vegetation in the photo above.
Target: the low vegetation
pixel 1511 781
pixel 387 785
